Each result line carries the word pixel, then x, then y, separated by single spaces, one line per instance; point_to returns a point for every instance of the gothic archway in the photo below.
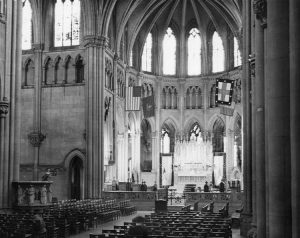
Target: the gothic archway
pixel 76 176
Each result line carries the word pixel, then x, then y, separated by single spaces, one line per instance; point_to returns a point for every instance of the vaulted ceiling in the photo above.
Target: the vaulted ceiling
pixel 138 17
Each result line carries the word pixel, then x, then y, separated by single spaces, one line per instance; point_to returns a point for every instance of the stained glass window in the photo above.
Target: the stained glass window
pixel 237 53
pixel 195 132
pixel 165 141
pixel 26 25
pixel 67 22
pixel 131 59
pixel 169 52
pixel 147 54
pixel 194 52
pixel 218 57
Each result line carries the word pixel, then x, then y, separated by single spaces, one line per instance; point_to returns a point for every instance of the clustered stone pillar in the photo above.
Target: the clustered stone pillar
pixel 10 87
pixel 259 117
pixel 277 120
pixel 295 112
pixel 95 58
pixel 246 88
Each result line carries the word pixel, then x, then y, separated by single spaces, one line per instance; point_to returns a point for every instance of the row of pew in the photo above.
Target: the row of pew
pixel 175 224
pixel 64 218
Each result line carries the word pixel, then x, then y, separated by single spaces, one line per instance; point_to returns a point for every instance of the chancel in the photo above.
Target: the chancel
pixel 184 112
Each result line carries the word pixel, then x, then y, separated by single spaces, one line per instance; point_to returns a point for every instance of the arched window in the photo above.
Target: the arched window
pixel 169 52
pixel 237 53
pixel 67 22
pixel 218 136
pixel 147 54
pixel 26 25
pixel 195 132
pixel 194 52
pixel 131 59
pixel 165 141
pixel 217 54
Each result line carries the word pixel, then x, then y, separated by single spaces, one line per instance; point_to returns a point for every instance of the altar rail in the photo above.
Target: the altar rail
pixel 145 200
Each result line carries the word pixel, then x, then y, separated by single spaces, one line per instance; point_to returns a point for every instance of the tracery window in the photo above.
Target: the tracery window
pixel 169 52
pixel 147 54
pixel 67 22
pixel 195 132
pixel 165 141
pixel 26 25
pixel 194 52
pixel 237 53
pixel 218 57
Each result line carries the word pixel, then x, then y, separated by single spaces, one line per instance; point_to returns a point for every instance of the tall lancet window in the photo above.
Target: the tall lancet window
pixel 26 25
pixel 169 53
pixel 67 22
pixel 147 54
pixel 194 52
pixel 237 53
pixel 218 57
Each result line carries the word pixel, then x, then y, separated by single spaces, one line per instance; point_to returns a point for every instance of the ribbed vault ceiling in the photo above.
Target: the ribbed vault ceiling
pixel 142 16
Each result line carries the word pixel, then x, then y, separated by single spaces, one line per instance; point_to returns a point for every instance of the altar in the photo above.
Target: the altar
pixel 193 160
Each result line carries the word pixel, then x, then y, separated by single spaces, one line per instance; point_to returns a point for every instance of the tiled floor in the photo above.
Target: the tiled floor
pixel 110 225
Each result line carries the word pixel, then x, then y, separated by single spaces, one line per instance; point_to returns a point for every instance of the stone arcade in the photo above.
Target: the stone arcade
pixel 65 69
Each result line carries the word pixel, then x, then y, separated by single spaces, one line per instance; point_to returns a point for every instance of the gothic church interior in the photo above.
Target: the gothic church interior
pixel 99 95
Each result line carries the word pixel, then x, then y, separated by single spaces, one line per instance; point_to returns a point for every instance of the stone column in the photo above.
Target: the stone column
pixel 259 117
pixel 36 136
pixel 277 120
pixel 155 154
pixel 246 87
pixel 10 86
pixel 295 112
pixel 95 73
pixel 158 123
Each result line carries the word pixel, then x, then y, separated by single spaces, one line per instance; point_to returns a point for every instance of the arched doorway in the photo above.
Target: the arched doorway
pixel 76 177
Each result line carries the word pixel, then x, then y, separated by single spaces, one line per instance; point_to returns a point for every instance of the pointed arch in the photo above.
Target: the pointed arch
pixel 75 163
pixel 169 52
pixel 27 25
pixel 218 53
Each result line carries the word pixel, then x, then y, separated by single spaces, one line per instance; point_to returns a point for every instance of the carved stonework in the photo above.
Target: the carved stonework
pixel 36 138
pixel 4 107
pixel 95 41
pixel 260 10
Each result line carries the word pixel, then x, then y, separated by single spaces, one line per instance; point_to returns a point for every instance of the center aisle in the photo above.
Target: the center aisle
pixel 110 225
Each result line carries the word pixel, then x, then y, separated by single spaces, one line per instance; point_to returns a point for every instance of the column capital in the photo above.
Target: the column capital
pixel 260 10
pixel 95 41
pixel 4 105
pixel 36 138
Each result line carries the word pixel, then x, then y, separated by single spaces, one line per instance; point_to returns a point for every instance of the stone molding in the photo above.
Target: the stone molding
pixel 95 41
pixel 4 105
pixel 260 10
pixel 36 138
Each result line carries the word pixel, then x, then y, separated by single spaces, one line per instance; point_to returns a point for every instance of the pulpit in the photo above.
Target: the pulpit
pixel 32 194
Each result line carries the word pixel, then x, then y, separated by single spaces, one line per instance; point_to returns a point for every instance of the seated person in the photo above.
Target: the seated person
pixel 222 187
pixel 139 230
pixel 39 226
pixel 206 187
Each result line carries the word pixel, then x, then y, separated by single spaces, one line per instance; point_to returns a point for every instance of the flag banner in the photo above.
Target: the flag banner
pixel 224 90
pixel 148 106
pixel 133 98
